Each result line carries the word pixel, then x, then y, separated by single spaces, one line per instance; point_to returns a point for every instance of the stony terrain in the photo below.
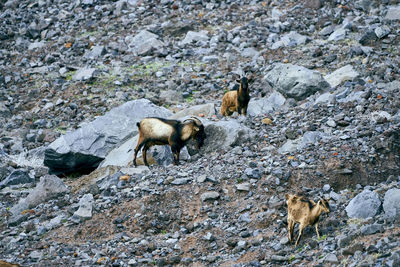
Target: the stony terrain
pixel 323 121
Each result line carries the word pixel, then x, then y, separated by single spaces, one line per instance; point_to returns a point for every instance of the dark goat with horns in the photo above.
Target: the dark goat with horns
pixel 237 100
pixel 176 134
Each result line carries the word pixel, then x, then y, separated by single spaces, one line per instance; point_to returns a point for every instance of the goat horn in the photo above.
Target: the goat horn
pixel 194 119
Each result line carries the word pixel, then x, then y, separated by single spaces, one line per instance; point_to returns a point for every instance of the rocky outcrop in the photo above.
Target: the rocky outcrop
pixel 86 147
pixel 296 81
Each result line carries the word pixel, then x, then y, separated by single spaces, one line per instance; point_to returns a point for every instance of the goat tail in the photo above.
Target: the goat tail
pixel 138 124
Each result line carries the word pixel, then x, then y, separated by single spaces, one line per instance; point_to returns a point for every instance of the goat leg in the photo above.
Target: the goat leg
pixel 175 153
pixel 316 229
pixel 144 154
pixel 137 149
pixel 290 229
pixel 301 228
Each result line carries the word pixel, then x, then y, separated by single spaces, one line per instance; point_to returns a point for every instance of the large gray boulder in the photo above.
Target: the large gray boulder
pixel 391 203
pixel 296 81
pixel 123 155
pixel 224 134
pixel 86 147
pixel 50 186
pixel 205 110
pixel 364 205
pixel 265 105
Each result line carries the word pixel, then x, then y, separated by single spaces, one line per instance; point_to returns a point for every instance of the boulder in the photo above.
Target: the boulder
pixel 50 186
pixel 366 204
pixel 143 42
pixel 346 73
pixel 85 208
pixel 225 134
pixel 338 34
pixel 393 13
pixel 86 147
pixel 123 155
pixel 296 81
pixel 391 203
pixel 16 177
pixel 195 36
pixel 207 110
pixel 95 52
pixel 84 74
pixel 291 39
pixel 265 105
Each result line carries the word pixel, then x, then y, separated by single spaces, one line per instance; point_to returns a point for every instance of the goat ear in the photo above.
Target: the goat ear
pixel 196 128
pixel 287 196
pixel 238 80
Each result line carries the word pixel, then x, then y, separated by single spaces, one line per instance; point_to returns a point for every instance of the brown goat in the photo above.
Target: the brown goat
pixel 7 264
pixel 158 131
pixel 305 212
pixel 237 100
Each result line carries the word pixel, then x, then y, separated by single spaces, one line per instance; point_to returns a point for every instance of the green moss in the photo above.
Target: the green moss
pixel 88 34
pixel 291 258
pixel 68 75
pixel 322 238
pixel 189 99
pixel 60 130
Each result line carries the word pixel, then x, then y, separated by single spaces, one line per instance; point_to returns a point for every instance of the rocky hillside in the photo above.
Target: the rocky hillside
pixel 323 122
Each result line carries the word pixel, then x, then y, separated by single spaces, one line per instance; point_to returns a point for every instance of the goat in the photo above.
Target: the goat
pixel 158 131
pixel 305 212
pixel 7 264
pixel 237 100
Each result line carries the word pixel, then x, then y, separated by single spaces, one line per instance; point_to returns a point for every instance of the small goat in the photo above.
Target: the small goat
pixel 305 212
pixel 157 131
pixel 237 100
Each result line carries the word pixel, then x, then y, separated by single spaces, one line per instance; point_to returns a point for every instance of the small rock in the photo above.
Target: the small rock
pixel 371 229
pixel 331 258
pixel 85 207
pixel 209 196
pixel 243 187
pixel 84 74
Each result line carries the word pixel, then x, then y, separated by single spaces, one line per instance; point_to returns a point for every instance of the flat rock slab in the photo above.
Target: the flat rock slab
pixel 50 186
pixel 86 147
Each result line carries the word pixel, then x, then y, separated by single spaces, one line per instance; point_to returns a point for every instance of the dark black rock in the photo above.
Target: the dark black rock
pixel 368 38
pixel 16 177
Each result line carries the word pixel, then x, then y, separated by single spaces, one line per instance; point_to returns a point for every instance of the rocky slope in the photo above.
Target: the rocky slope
pixel 323 121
